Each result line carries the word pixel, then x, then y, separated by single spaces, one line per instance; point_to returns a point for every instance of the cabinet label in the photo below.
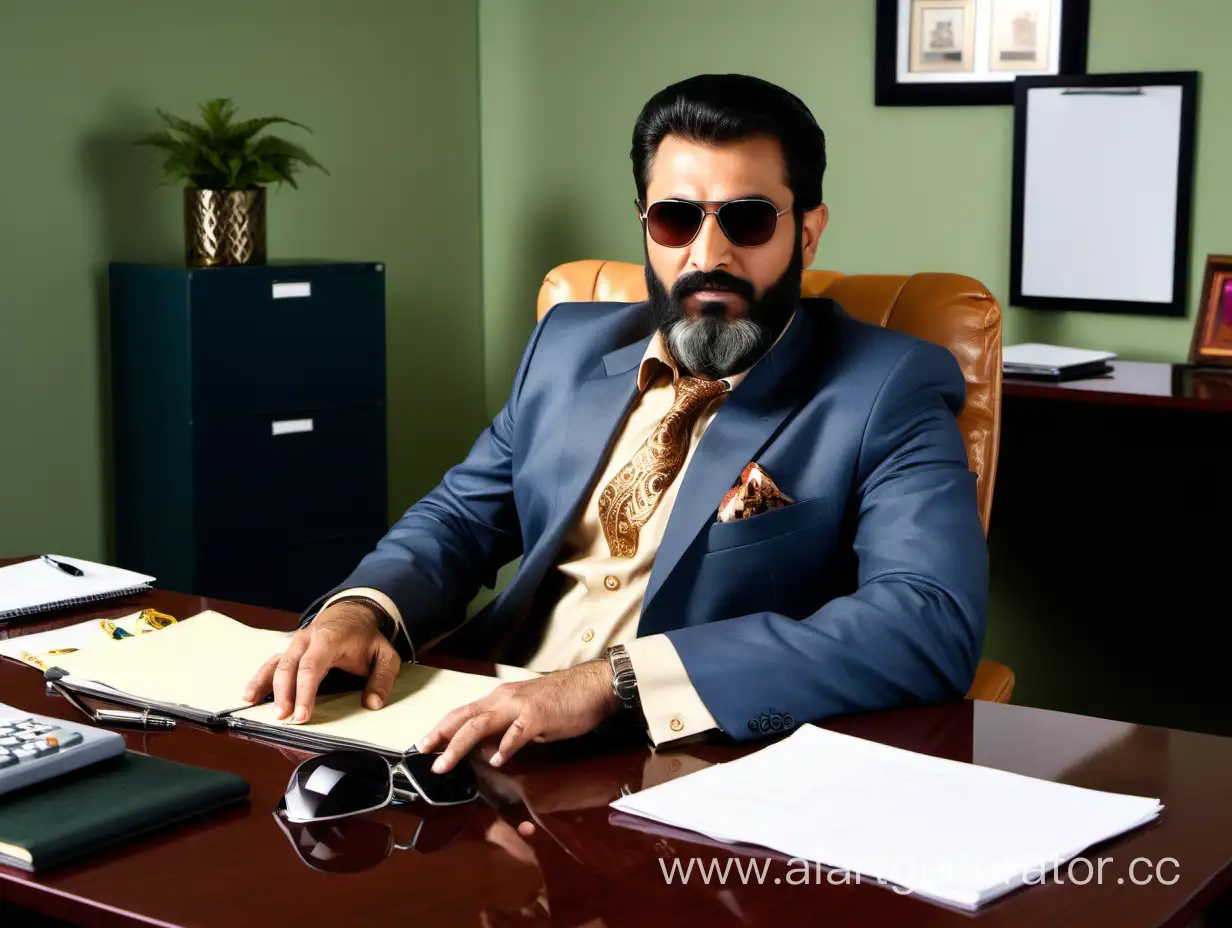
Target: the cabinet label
pixel 292 289
pixel 290 426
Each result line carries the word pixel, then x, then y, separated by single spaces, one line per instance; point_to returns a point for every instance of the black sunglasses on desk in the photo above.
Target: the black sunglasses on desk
pixel 344 783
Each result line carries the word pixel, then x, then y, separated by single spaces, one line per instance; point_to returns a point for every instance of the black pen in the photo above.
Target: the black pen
pixel 60 565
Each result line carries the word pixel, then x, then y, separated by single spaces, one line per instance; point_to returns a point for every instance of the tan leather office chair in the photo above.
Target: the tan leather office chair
pixel 950 310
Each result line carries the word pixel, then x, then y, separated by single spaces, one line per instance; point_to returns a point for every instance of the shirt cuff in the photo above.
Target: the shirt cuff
pixel 672 708
pixel 383 602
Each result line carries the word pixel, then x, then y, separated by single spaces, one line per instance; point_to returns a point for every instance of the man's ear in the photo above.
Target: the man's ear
pixel 814 224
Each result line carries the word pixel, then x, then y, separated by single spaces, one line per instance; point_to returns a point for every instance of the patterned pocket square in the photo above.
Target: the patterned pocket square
pixel 752 495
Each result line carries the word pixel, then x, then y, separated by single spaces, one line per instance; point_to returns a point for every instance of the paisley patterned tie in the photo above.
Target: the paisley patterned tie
pixel 629 500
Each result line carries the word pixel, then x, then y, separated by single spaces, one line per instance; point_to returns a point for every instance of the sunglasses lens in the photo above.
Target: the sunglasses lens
pixel 347 845
pixel 672 224
pixel 440 789
pixel 337 783
pixel 749 223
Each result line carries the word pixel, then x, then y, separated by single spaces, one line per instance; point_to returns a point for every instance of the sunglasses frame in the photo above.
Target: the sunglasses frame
pixel 394 792
pixel 701 205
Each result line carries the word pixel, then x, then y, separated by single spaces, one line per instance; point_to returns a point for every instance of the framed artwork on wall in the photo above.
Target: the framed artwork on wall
pixel 968 52
pixel 1212 340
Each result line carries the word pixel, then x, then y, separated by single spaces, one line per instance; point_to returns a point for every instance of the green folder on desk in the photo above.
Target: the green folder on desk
pixel 75 814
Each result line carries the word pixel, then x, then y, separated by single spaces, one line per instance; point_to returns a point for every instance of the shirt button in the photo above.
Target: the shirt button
pixel 676 725
pixel 588 634
pixel 611 583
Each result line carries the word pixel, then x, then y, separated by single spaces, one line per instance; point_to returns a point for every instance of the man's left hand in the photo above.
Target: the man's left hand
pixel 556 706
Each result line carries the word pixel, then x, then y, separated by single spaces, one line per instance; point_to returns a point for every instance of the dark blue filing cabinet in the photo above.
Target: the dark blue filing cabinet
pixel 248 409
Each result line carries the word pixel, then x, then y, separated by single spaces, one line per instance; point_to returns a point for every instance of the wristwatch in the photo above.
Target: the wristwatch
pixel 624 680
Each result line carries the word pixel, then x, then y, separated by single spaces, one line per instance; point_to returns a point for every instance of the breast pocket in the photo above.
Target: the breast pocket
pixel 723 535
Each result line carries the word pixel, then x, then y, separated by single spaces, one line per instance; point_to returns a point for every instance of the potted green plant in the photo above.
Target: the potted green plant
pixel 227 165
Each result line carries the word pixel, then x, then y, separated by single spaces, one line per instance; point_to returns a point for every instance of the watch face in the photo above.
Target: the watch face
pixel 626 687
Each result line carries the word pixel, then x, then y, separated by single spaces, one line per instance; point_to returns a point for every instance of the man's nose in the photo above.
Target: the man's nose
pixel 712 248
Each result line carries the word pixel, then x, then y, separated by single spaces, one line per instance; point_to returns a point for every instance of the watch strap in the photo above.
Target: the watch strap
pixel 624 679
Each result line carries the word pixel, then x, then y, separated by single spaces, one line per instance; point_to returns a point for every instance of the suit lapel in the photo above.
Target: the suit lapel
pixel 599 407
pixel 601 404
pixel 744 424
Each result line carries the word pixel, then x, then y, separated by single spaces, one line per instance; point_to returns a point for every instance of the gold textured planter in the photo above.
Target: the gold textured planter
pixel 224 227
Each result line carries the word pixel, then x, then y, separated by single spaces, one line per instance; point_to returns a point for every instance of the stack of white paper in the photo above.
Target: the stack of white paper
pixel 947 830
pixel 1052 360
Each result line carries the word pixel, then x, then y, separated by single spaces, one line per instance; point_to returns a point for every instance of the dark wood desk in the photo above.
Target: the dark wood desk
pixel 1138 383
pixel 1107 573
pixel 585 865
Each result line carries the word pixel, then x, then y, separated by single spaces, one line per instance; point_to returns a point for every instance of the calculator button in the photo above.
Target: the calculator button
pixel 27 736
pixel 11 739
pixel 7 760
pixel 64 738
pixel 43 747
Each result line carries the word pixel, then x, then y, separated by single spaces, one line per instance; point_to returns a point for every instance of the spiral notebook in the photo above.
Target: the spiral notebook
pixel 33 587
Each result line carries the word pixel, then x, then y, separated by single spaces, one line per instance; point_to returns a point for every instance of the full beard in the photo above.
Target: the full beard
pixel 708 344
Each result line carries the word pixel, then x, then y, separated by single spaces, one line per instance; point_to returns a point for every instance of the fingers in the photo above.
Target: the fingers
pixel 486 724
pixel 385 667
pixel 448 726
pixel 313 667
pixel 519 733
pixel 262 681
pixel 284 675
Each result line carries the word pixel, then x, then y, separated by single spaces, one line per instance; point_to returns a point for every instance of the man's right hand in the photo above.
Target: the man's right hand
pixel 345 635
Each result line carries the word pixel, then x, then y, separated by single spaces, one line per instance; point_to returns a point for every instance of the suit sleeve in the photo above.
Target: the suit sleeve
pixel 913 629
pixel 432 562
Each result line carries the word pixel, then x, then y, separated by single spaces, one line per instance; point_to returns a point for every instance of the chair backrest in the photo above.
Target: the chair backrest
pixel 949 310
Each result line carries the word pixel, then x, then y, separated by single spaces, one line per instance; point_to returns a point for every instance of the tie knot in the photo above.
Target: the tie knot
pixel 693 392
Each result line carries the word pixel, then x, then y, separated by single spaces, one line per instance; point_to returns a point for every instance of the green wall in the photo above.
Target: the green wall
pixel 507 123
pixel 909 189
pixel 390 88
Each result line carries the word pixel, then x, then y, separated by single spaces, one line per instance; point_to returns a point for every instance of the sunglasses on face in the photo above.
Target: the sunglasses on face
pixel 341 783
pixel 747 223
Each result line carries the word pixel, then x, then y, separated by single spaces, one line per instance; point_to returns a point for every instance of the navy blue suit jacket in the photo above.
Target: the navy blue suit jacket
pixel 870 591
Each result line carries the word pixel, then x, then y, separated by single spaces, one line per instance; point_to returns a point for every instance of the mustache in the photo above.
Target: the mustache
pixel 696 281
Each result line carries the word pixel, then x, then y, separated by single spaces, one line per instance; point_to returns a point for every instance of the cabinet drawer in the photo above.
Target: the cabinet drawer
pixel 285 574
pixel 277 339
pixel 265 479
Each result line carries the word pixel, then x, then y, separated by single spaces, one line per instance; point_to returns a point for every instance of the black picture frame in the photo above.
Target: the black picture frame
pixel 1188 82
pixel 1075 25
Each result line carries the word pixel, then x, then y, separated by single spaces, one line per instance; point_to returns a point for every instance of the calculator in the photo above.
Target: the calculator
pixel 34 748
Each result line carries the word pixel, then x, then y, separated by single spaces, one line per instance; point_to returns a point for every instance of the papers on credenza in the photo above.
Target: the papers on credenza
pixel 1053 361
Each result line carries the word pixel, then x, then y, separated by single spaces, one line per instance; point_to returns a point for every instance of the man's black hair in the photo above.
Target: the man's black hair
pixel 716 108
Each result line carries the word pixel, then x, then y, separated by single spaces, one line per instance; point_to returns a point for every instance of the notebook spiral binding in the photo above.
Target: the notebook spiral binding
pixel 75 601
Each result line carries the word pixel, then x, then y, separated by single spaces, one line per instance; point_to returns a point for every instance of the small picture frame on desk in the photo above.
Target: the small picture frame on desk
pixel 1212 339
pixel 968 52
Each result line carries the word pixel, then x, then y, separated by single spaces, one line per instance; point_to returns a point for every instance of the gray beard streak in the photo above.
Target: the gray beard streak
pixel 713 346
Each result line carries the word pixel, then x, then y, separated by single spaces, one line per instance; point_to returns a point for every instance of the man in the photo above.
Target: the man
pixel 736 509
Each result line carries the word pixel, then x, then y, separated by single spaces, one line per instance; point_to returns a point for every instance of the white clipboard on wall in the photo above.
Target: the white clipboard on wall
pixel 1103 190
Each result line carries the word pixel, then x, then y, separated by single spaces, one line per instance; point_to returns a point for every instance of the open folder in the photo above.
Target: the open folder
pixel 197 670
